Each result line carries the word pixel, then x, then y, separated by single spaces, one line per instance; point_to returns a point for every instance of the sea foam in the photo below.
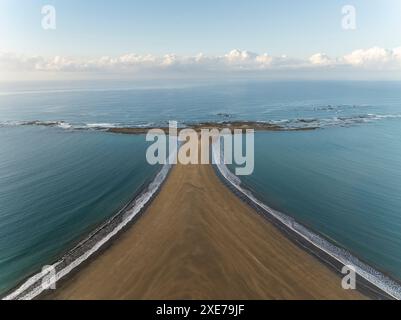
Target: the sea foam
pixel 378 279
pixel 33 287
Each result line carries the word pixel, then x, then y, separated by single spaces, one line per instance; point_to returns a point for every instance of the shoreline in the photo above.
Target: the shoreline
pixel 93 244
pixel 231 125
pixel 301 125
pixel 364 286
pixel 368 288
pixel 211 247
pixel 376 283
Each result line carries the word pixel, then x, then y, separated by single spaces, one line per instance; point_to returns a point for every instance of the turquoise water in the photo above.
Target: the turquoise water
pixel 56 186
pixel 62 176
pixel 344 183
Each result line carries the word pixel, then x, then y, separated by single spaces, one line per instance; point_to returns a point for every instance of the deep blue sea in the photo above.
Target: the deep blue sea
pixel 60 176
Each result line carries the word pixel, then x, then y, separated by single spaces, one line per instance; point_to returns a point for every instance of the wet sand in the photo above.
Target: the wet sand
pixel 197 240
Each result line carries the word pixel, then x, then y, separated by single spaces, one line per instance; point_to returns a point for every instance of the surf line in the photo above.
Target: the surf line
pixel 39 283
pixel 368 273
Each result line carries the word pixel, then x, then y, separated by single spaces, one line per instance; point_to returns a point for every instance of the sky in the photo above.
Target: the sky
pixel 139 38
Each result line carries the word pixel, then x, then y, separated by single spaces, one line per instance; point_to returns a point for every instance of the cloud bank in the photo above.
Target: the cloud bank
pixel 375 58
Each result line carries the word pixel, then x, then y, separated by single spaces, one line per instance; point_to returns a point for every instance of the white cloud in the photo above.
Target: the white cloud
pixel 13 61
pixel 375 58
pixel 238 56
pixel 234 61
pixel 264 60
pixel 320 59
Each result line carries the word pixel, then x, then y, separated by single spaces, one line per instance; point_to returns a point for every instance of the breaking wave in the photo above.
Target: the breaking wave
pixel 336 121
pixel 286 124
pixel 33 287
pixel 45 123
pixel 102 126
pixel 378 279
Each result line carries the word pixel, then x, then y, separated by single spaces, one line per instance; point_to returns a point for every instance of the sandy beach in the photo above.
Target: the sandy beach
pixel 285 122
pixel 197 240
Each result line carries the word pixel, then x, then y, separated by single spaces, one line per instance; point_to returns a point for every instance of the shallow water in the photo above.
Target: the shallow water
pixel 344 183
pixel 58 182
pixel 56 186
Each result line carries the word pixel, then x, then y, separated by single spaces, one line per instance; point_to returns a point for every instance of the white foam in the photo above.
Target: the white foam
pixel 145 125
pixel 367 272
pixel 104 125
pixel 64 125
pixel 289 124
pixel 25 292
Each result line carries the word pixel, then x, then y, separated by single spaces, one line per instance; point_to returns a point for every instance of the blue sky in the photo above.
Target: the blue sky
pixel 298 29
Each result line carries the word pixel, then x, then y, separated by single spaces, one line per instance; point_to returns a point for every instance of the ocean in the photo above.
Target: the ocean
pixel 61 175
pixel 57 186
